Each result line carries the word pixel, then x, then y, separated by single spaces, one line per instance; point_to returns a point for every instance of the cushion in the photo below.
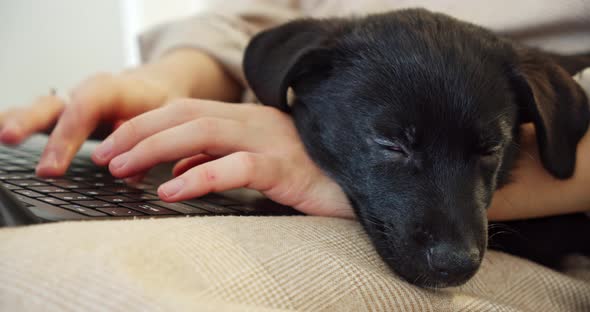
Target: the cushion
pixel 295 263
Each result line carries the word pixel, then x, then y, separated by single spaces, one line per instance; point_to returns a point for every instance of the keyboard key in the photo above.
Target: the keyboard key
pixel 71 184
pixel 219 200
pixel 21 162
pixel 13 168
pixel 49 211
pixel 122 189
pixel 79 170
pixel 140 186
pixel 79 179
pixel 48 189
pixel 120 212
pixel 92 192
pixel 70 196
pixel 28 193
pixel 57 180
pixel 211 207
pixel 15 176
pixel 93 203
pixel 117 199
pixel 84 210
pixel 149 208
pixel 182 208
pixel 243 208
pixel 52 200
pixel 101 176
pixel 10 186
pixel 142 196
pixel 46 180
pixel 99 184
pixel 26 183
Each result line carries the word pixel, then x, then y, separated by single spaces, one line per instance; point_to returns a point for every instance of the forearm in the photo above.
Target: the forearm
pixel 222 32
pixel 191 73
pixel 536 193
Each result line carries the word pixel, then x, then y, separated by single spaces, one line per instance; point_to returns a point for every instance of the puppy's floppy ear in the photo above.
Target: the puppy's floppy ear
pixel 275 59
pixel 556 104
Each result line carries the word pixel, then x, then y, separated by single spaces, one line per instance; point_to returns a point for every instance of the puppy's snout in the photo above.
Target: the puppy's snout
pixel 452 262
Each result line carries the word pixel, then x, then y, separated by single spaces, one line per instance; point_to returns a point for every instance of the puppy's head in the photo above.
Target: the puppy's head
pixel 415 115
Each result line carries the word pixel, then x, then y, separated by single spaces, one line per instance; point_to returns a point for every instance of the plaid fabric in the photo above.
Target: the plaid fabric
pixel 249 264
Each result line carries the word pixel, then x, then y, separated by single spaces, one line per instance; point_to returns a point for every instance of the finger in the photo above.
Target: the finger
pixel 242 169
pixel 187 163
pixel 208 135
pixel 75 124
pixel 71 131
pixel 5 116
pixel 24 122
pixel 137 129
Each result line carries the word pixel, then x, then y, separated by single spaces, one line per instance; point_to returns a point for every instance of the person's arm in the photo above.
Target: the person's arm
pixel 222 32
pixel 536 193
pixel 192 73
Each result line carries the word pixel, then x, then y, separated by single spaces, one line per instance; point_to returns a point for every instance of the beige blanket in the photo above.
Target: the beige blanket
pixel 249 264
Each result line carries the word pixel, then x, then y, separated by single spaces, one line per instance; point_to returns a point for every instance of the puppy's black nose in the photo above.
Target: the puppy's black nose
pixel 452 262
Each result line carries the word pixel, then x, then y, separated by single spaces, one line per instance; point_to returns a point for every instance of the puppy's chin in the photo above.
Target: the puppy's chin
pixel 413 263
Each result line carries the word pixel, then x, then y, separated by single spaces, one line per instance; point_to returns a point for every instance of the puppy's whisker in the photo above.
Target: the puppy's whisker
pixel 370 218
pixel 417 278
pixel 499 233
pixel 498 116
pixel 497 225
pixel 519 148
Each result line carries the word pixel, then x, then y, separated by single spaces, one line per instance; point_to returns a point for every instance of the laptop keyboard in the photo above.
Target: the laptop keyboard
pixel 91 191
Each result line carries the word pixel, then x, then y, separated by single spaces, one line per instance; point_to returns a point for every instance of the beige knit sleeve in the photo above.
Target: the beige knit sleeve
pixel 583 78
pixel 222 31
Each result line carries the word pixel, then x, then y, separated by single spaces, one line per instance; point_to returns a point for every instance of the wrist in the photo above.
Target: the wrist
pixel 192 73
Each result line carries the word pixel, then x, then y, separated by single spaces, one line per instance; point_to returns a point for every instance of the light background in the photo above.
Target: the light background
pixel 57 43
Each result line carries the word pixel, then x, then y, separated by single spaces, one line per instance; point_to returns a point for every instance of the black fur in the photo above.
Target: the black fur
pixel 416 116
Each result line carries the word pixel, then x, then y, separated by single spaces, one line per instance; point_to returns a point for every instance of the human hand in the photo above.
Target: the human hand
pixel 100 103
pixel 223 146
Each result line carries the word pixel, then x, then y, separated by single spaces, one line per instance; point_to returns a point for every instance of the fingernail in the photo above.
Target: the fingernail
pixel 5 133
pixel 171 188
pixel 49 161
pixel 10 131
pixel 119 161
pixel 104 150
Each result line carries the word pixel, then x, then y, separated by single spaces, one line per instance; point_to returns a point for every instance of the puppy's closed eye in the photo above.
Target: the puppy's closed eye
pixel 490 156
pixel 490 150
pixel 393 146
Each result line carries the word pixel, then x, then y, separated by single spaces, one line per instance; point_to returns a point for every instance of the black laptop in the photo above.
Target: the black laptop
pixel 90 192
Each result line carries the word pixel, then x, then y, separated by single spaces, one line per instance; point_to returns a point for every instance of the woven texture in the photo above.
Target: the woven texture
pixel 248 264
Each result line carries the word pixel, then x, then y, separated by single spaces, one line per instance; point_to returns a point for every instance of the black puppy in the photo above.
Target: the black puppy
pixel 416 115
